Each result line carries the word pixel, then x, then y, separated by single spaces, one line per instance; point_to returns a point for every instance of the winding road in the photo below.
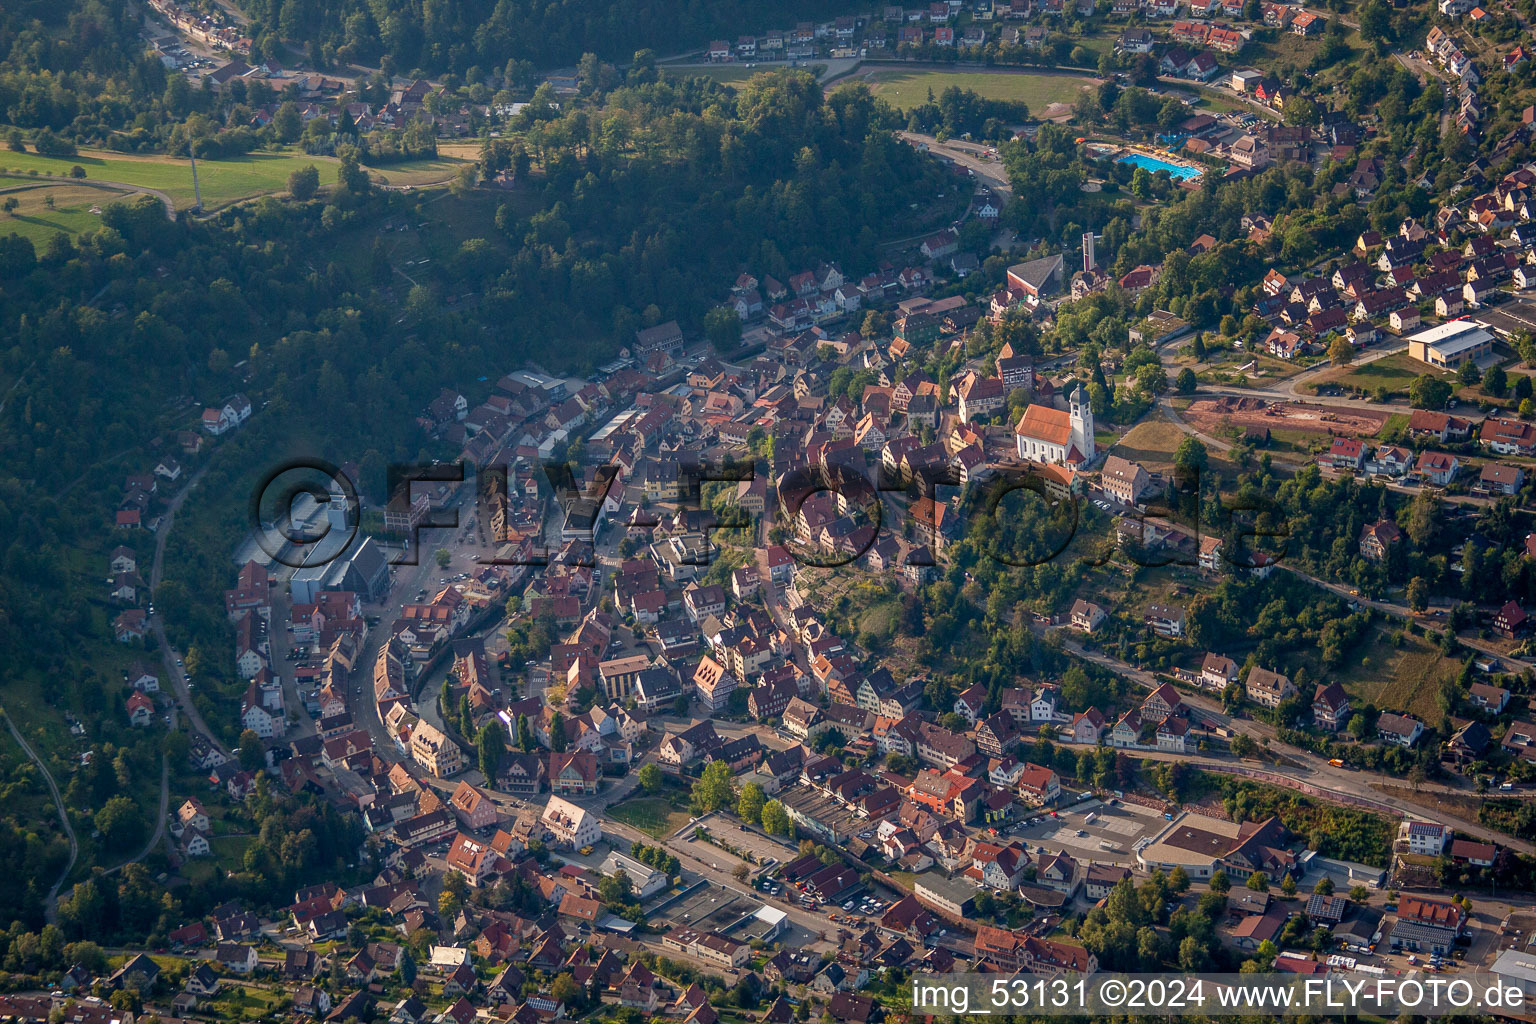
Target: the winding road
pixel 160 819
pixel 122 186
pixel 1317 772
pixel 173 661
pixel 51 911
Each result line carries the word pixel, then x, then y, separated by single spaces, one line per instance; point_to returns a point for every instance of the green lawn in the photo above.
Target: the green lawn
pixel 69 215
pixel 1394 372
pixel 725 74
pixel 222 181
pixel 1151 442
pixel 229 851
pixel 654 815
pixel 239 998
pixel 1218 100
pixel 415 172
pixel 907 89
pixel 1406 678
pixel 1396 422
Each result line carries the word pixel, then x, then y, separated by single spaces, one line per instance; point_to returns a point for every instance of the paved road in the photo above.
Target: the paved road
pixel 160 819
pixel 279 641
pixel 967 155
pixel 1318 772
pixel 51 911
pixel 365 711
pixel 59 179
pixel 776 606
pixel 1290 385
pixel 1165 403
pixel 1285 391
pixel 408 581
pixel 172 659
pixel 1396 610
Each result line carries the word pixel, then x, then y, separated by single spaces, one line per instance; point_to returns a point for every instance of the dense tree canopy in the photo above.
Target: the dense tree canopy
pixel 439 36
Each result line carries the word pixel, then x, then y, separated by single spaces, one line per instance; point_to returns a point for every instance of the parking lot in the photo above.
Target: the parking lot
pixel 761 848
pixel 1410 963
pixel 685 845
pixel 862 909
pixel 1094 832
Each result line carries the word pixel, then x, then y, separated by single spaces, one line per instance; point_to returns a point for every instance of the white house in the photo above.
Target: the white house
pixel 1424 837
pixel 1401 730
pixel 573 827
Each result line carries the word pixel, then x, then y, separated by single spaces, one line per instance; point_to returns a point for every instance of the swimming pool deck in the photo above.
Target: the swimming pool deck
pixel 1154 161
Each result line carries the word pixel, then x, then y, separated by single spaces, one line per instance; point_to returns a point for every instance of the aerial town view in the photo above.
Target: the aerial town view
pixel 721 513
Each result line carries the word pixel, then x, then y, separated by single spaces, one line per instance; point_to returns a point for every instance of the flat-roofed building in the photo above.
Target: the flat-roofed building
pixel 618 675
pixel 950 896
pixel 1200 844
pixel 1516 967
pixel 1451 344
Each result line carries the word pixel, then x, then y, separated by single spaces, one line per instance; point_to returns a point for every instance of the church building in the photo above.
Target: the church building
pixel 1062 437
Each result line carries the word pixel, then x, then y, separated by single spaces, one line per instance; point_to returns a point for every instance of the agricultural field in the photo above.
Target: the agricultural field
pixel 655 816
pixel 75 208
pixel 907 89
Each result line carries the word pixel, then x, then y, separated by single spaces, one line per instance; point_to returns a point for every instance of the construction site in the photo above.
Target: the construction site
pixel 1209 415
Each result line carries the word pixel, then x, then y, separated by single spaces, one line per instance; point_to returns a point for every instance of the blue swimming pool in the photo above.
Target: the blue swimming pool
pixel 1153 164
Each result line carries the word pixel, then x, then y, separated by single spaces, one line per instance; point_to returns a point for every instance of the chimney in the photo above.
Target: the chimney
pixel 1088 259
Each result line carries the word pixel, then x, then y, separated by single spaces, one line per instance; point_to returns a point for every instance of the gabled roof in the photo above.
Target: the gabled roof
pixel 1043 423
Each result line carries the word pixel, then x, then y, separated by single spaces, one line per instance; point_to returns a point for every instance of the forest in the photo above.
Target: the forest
pixel 437 36
pixel 642 204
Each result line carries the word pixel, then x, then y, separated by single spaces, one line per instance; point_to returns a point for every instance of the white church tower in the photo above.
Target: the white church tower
pixel 1080 414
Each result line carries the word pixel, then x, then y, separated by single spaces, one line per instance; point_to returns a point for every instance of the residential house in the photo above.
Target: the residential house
pixel 1399 730
pixel 1268 689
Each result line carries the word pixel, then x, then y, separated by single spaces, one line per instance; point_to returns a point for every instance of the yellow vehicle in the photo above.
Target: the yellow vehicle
pixel 1336 762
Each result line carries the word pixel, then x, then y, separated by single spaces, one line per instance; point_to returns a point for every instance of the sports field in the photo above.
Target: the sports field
pixel 907 89
pixel 655 816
